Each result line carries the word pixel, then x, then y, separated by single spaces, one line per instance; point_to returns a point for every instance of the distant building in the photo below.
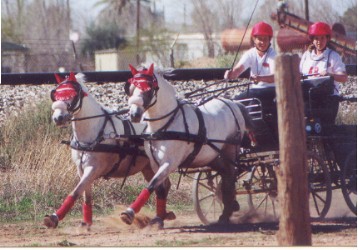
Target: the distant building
pixel 112 60
pixel 187 47
pixel 14 58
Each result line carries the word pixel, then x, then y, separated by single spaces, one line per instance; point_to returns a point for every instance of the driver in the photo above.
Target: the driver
pixel 261 60
pixel 320 60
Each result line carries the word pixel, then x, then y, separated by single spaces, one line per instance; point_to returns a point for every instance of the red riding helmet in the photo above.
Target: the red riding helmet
pixel 320 29
pixel 262 29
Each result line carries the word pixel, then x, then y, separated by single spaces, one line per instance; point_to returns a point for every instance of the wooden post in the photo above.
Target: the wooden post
pixel 294 226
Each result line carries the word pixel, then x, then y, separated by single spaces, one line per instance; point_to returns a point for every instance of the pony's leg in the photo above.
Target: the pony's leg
pixel 143 197
pixel 89 175
pixel 161 195
pixel 227 172
pixel 87 208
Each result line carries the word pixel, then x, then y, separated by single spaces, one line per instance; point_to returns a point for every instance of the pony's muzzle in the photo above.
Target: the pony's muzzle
pixel 135 113
pixel 60 120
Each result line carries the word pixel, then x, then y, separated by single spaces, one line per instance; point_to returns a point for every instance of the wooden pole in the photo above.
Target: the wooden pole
pixel 294 226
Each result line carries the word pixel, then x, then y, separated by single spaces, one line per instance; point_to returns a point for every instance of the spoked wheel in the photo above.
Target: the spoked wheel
pixel 319 186
pixel 349 181
pixel 263 189
pixel 262 196
pixel 207 196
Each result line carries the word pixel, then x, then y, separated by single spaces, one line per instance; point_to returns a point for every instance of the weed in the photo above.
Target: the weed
pixel 38 172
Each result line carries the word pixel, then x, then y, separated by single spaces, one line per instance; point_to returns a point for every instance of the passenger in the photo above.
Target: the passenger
pixel 261 60
pixel 320 60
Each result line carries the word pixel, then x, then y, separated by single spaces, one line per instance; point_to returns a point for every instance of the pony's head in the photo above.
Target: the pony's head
pixel 142 90
pixel 67 98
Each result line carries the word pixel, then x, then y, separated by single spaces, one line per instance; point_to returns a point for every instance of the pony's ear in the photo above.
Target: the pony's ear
pixel 72 77
pixel 151 69
pixel 59 79
pixel 133 70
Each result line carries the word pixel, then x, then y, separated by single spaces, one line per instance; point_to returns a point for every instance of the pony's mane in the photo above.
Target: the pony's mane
pixel 159 73
pixel 81 79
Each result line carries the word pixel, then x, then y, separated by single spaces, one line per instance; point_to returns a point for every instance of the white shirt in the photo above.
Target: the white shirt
pixel 264 65
pixel 315 64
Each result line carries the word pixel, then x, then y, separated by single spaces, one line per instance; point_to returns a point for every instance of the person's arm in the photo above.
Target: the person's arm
pixel 338 69
pixel 263 78
pixel 235 72
pixel 339 76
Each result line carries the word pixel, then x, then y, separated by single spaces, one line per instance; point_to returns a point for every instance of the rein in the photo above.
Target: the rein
pixel 120 112
pixel 242 39
pixel 221 89
pixel 174 111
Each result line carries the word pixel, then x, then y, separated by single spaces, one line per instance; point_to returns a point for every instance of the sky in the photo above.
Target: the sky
pixel 177 11
pixel 174 10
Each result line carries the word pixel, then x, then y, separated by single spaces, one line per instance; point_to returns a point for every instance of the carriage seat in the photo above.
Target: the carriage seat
pixel 316 92
pixel 265 129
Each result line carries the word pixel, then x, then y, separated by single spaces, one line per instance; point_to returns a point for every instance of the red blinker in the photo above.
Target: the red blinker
pixel 65 92
pixel 141 79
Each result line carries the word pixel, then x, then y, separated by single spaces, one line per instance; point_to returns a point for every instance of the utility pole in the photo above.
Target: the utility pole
pixel 292 179
pixel 307 11
pixel 138 26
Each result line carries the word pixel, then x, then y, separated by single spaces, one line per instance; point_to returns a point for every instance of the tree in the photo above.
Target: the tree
pixel 37 19
pixel 205 19
pixel 101 37
pixel 12 20
pixel 349 18
pixel 123 13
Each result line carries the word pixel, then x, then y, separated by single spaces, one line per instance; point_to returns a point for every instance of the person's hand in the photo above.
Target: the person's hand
pixel 255 79
pixel 228 74
pixel 324 73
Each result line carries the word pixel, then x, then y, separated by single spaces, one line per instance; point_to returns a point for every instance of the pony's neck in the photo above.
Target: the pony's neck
pixel 87 130
pixel 166 102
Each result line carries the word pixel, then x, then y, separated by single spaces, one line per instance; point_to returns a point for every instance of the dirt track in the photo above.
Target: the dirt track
pixel 185 231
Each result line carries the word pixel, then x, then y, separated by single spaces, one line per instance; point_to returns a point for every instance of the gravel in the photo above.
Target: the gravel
pixel 13 98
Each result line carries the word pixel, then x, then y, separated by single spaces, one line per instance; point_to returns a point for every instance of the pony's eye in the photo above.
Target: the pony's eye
pixel 53 95
pixel 126 88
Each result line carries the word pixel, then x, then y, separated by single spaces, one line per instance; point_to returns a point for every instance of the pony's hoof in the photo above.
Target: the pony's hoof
pixel 170 216
pixel 128 216
pixel 85 226
pixel 157 221
pixel 236 206
pixel 223 220
pixel 51 221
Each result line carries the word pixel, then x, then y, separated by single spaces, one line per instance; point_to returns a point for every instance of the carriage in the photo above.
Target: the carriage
pixel 331 156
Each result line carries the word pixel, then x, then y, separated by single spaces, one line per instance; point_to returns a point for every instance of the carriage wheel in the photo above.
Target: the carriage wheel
pixel 207 196
pixel 263 189
pixel 319 186
pixel 262 198
pixel 349 181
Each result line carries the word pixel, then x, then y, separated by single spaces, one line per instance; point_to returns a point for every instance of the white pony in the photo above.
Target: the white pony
pixel 96 150
pixel 182 135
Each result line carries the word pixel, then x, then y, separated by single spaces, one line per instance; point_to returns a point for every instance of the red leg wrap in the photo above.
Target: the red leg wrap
pixel 161 208
pixel 141 200
pixel 65 207
pixel 87 213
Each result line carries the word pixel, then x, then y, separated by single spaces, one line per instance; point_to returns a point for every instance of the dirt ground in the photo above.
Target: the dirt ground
pixel 338 229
